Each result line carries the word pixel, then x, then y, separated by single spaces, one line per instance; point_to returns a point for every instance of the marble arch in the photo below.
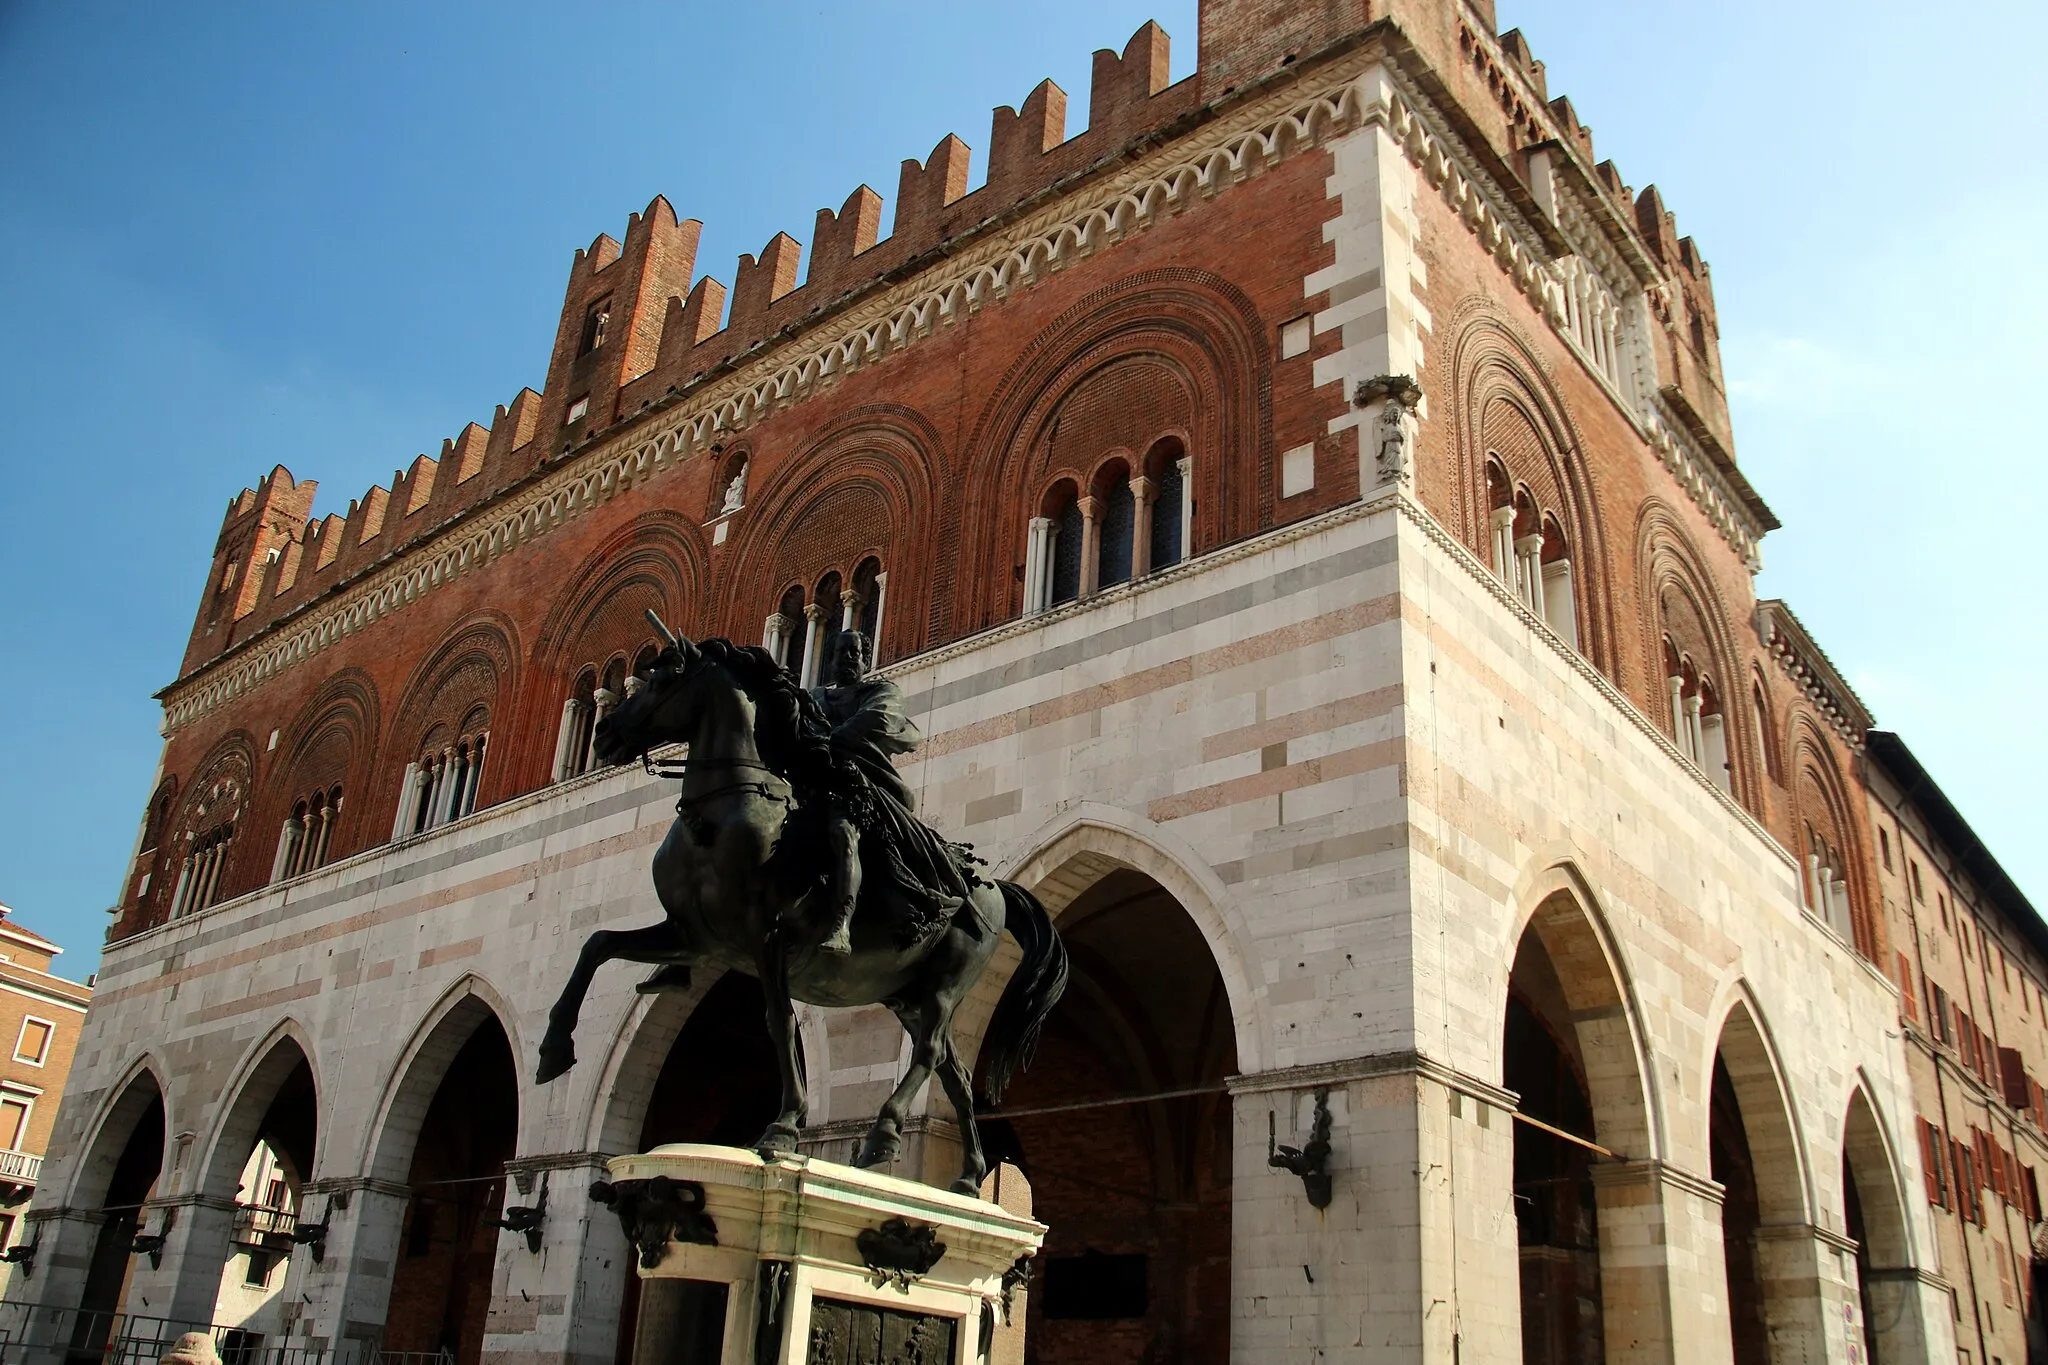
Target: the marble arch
pixel 264 1065
pixel 1072 851
pixel 1555 902
pixel 1741 1036
pixel 123 1108
pixel 409 1086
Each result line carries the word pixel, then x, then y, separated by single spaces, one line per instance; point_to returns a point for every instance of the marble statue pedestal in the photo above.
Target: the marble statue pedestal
pixel 797 1261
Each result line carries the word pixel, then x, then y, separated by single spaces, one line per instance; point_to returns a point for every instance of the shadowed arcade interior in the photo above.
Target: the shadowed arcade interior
pixel 1556 1217
pixel 126 1160
pixel 441 1288
pixel 1136 1265
pixel 717 1085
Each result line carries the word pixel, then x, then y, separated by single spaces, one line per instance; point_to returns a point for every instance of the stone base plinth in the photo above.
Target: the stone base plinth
pixel 746 1261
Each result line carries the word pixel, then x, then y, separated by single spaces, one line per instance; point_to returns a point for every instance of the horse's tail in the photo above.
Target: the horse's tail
pixel 1040 978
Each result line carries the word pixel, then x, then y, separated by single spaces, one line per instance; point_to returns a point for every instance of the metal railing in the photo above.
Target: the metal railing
pixel 255 1223
pixel 20 1167
pixel 37 1334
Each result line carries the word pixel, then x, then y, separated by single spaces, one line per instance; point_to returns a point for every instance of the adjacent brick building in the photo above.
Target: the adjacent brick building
pixel 1972 968
pixel 1302 513
pixel 40 1017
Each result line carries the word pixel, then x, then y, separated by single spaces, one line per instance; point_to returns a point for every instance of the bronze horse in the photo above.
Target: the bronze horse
pixel 737 898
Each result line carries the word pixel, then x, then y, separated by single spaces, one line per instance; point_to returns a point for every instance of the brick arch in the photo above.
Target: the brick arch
pixel 159 828
pixel 475 666
pixel 1821 799
pixel 1678 600
pixel 331 742
pixel 1181 330
pixel 221 793
pixel 864 485
pixel 1504 404
pixel 654 561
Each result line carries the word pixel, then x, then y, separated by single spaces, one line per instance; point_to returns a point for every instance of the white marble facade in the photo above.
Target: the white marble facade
pixel 1362 769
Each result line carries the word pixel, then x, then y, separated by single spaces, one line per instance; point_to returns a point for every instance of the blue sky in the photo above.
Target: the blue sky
pixel 328 236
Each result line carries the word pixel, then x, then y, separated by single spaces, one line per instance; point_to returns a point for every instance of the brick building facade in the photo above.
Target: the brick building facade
pixel 1971 960
pixel 41 1014
pixel 1302 513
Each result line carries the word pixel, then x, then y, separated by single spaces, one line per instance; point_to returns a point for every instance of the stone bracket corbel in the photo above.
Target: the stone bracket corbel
pixel 1311 1162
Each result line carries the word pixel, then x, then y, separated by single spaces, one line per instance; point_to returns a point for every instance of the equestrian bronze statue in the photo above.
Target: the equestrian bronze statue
pixel 797 856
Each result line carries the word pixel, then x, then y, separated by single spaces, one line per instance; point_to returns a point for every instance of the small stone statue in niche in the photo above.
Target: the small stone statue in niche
pixel 735 491
pixel 1392 438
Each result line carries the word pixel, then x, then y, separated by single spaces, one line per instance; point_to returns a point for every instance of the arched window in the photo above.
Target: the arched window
pixel 1713 737
pixel 643 664
pixel 442 783
pixel 199 881
pixel 1827 882
pixel 870 586
pixel 1500 521
pixel 307 835
pixel 1697 725
pixel 1557 600
pixel 1164 506
pixel 825 616
pixel 786 633
pixel 1126 526
pixel 1760 716
pixel 579 726
pixel 207 829
pixel 1117 538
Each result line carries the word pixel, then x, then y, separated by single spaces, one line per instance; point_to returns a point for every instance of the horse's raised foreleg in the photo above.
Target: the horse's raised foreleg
pixel 655 943
pixel 773 966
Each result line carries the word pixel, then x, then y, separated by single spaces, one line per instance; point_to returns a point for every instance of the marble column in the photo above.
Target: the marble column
pixel 1037 565
pixel 1091 544
pixel 814 643
pixel 1502 525
pixel 287 847
pixel 1144 493
pixel 565 738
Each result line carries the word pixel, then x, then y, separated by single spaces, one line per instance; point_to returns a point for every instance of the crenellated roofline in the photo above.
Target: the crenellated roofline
pixel 1372 77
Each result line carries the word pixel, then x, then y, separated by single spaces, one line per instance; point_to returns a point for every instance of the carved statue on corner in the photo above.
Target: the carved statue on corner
pixel 1391 434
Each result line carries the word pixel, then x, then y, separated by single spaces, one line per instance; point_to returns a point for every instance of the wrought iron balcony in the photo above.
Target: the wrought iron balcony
pixel 260 1225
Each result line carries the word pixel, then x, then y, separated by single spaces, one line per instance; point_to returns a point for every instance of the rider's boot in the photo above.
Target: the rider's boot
pixel 840 940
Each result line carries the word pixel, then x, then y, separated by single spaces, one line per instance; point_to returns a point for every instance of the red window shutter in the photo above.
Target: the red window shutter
pixel 1907 996
pixel 1931 1163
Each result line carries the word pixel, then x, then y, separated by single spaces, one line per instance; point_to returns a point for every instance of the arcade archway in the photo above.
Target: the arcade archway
pixel 1569 1052
pixel 1767 1247
pixel 454 1168
pixel 717 1084
pixel 1874 1216
pixel 261 1158
pixel 1136 1191
pixel 116 1179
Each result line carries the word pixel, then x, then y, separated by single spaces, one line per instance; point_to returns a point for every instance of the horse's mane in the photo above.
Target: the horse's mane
pixel 790 729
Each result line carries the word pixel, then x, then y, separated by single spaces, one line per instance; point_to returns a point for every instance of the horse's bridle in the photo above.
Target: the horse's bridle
pixel 674 769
